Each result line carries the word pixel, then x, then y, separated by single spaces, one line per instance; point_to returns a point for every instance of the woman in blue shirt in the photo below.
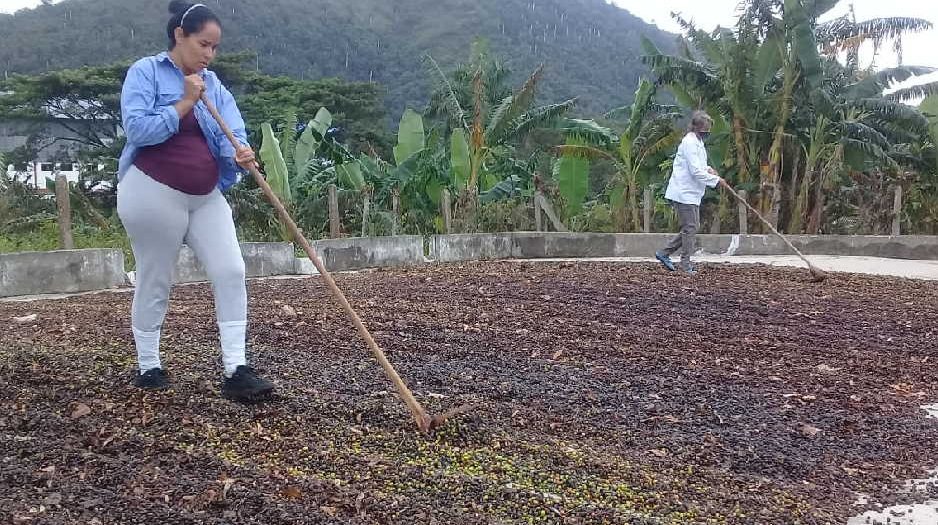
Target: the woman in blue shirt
pixel 172 172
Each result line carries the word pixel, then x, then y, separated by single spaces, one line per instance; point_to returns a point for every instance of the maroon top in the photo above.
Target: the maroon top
pixel 183 162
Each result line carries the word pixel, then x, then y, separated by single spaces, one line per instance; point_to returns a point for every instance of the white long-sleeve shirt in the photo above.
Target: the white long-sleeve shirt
pixel 691 174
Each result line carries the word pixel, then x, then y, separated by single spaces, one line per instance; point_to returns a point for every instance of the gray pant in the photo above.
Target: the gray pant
pixel 158 220
pixel 688 216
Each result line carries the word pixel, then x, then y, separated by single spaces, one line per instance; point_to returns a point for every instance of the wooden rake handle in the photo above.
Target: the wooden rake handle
pixel 771 227
pixel 420 415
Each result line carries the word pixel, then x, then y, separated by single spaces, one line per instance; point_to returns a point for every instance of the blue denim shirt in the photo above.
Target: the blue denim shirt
pixel 152 87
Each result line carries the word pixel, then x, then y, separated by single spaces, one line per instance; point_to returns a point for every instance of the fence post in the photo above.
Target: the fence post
pixel 648 210
pixel 551 215
pixel 897 212
pixel 538 220
pixel 63 203
pixel 743 213
pixel 366 211
pixel 395 211
pixel 447 209
pixel 335 226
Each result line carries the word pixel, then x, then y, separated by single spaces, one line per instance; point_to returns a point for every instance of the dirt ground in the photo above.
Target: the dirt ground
pixel 606 393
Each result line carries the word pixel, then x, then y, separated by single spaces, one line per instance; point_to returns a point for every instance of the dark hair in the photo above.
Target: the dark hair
pixel 194 22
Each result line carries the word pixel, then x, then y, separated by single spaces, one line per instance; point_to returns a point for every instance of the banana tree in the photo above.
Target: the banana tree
pixel 731 75
pixel 298 168
pixel 485 131
pixel 650 130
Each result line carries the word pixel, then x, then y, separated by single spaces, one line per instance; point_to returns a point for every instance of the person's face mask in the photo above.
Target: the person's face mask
pixel 704 135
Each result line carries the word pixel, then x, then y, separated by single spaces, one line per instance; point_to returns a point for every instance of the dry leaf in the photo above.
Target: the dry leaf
pixel 360 506
pixel 810 430
pixel 25 319
pixel 80 410
pixel 331 511
pixel 557 354
pixel 828 369
pixel 227 483
pixel 292 492
pixel 52 499
pixel 660 452
pixel 288 310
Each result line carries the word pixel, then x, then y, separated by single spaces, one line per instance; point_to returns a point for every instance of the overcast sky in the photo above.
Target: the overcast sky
pixel 920 49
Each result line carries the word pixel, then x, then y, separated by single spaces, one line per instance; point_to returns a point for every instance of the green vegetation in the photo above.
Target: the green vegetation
pixel 815 140
pixel 589 48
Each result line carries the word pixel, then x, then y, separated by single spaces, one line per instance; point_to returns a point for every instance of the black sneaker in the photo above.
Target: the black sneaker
pixel 152 379
pixel 246 386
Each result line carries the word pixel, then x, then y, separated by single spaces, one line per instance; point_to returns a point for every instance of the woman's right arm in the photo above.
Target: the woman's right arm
pixel 144 123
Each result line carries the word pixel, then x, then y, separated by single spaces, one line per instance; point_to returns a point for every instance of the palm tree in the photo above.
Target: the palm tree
pixel 486 120
pixel 778 69
pixel 648 132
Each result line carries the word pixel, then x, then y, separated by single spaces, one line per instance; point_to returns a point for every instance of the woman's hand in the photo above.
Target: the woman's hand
pixel 244 156
pixel 194 87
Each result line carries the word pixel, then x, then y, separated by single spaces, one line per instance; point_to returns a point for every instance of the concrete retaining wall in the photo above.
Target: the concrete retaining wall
pixel 533 245
pixel 261 259
pixel 365 252
pixel 915 247
pixel 471 247
pixel 87 270
pixel 71 271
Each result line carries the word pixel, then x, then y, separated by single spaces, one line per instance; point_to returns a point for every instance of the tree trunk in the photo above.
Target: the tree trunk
pixel 633 203
pixel 793 189
pixel 743 213
pixel 799 211
pixel 772 179
pixel 817 215
pixel 775 211
pixel 742 148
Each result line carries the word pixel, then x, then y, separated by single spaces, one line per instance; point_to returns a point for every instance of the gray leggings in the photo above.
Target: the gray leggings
pixel 159 219
pixel 688 216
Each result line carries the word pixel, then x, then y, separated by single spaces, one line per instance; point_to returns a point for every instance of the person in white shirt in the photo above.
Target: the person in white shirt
pixel 689 181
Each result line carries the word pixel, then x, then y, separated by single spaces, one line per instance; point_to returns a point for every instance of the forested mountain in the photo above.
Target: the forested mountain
pixel 591 49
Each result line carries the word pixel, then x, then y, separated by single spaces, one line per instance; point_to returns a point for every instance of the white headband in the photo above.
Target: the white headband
pixel 184 15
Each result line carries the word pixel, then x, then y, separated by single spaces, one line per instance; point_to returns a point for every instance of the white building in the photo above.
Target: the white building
pixel 57 150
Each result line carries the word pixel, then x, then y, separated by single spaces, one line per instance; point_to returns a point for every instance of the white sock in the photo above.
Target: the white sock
pixel 232 335
pixel 148 349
